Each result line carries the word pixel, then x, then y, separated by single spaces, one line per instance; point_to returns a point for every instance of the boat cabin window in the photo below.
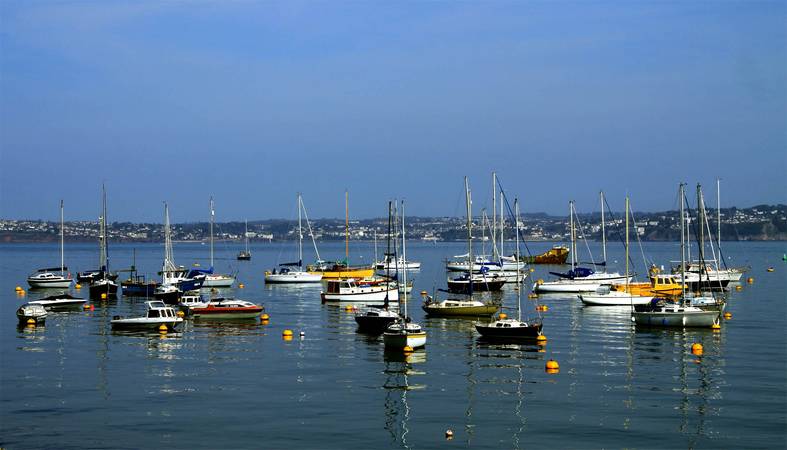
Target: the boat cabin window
pixel 153 313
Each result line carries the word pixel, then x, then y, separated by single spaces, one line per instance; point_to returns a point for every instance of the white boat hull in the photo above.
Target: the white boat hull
pixel 293 278
pixel 49 283
pixel 363 295
pixel 676 319
pixel 614 298
pixel 219 281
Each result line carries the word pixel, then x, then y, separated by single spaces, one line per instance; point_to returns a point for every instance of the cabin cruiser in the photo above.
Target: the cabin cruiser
pixel 28 312
pixel 62 301
pixel 369 291
pixel 227 308
pixel 47 278
pixel 158 314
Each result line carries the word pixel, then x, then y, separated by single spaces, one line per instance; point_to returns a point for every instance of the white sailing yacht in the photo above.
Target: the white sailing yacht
pixel 682 313
pixel 49 278
pixel 404 332
pixel 581 279
pixel 293 272
pixel 218 280
pixel 503 327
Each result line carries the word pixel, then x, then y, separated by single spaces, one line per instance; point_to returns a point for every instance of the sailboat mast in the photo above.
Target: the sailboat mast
pixel 169 258
pixel 62 263
pixel 404 272
pixel 701 220
pixel 573 240
pixel 483 231
pixel 627 246
pixel 469 232
pixel 518 269
pixel 212 216
pixel 347 226
pixel 603 230
pixel 502 225
pixel 246 233
pixel 300 235
pixel 682 245
pixel 494 217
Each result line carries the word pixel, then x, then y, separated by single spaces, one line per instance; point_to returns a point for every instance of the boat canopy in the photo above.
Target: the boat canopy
pixel 199 271
pixel 579 272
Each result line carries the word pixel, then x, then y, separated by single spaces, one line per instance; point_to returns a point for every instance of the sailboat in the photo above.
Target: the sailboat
pixel 215 279
pixel 503 327
pixel 404 332
pixel 175 280
pixel 137 285
pixel 341 269
pixel 681 313
pixel 103 287
pixel 376 319
pixel 293 272
pixel 464 306
pixel 48 278
pixel 245 255
pixel 580 279
pixel 614 297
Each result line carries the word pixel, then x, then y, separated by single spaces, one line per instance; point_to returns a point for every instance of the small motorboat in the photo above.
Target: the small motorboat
pixel 31 311
pixel 61 301
pixel 663 314
pixel 158 314
pixel 404 333
pixel 375 320
pixel 458 307
pixel 227 308
pixel 368 291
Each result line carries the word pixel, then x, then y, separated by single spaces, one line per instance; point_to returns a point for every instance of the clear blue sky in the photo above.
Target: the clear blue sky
pixel 253 101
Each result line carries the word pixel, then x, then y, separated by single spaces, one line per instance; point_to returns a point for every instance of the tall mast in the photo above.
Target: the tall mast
pixel 347 226
pixel 494 217
pixel 169 258
pixel 246 233
pixel 300 234
pixel 573 240
pixel 682 246
pixel 404 272
pixel 627 245
pixel 484 221
pixel 212 217
pixel 62 263
pixel 701 220
pixel 102 231
pixel 603 231
pixel 469 231
pixel 518 270
pixel 375 246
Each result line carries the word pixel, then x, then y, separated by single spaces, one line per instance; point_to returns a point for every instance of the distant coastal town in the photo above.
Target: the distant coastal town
pixel 762 222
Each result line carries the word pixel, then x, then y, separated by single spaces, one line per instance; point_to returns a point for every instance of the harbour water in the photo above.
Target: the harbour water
pixel 73 383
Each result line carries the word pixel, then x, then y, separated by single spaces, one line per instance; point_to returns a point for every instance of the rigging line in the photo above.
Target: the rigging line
pixel 710 235
pixel 620 236
pixel 639 241
pixel 511 214
pixel 309 226
pixel 701 254
pixel 582 234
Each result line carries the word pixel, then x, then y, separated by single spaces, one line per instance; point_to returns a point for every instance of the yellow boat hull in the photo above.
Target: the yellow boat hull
pixel 344 273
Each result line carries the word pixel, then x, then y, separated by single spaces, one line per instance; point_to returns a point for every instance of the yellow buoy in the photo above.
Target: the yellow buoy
pixel 540 281
pixel 286 333
pixel 424 293
pixel 162 328
pixel 265 322
pixel 31 321
pixel 103 296
pixel 750 280
pixel 349 308
pixel 18 288
pixel 715 327
pixel 407 349
pixel 532 270
pixel 696 348
pixel 541 338
pixel 86 306
pixel 532 295
pixel 78 286
pixel 287 338
pixel 265 317
pixel 241 286
pixel 22 292
pixel 738 287
pixel 449 434
pixel 181 314
pixel 728 315
pixel 502 316
pixel 552 365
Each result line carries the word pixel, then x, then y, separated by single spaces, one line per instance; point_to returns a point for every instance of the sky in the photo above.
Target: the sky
pixel 252 102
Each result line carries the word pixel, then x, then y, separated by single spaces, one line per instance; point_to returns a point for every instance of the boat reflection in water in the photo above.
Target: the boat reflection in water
pixel 399 372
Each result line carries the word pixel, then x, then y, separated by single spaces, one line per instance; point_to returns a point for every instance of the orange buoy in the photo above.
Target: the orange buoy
pixel 502 316
pixel 552 365
pixel 696 348
pixel 78 286
pixel 750 280
pixel 541 339
pixel 241 286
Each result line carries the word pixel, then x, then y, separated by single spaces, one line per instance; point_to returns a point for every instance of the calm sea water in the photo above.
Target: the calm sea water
pixel 75 384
